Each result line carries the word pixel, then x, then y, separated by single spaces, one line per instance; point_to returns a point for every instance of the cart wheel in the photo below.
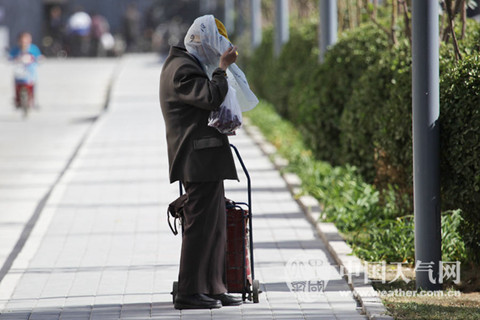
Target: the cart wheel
pixel 174 291
pixel 255 290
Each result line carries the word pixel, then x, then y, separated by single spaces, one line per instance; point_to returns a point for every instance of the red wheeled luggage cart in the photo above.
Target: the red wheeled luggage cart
pixel 239 270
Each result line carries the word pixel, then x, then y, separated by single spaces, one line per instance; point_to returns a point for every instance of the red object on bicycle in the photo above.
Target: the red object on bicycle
pixel 18 88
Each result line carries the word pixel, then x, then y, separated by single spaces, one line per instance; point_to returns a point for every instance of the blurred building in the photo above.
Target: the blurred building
pixel 34 15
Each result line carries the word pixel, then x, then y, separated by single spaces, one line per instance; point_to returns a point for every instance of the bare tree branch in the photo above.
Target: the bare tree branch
pixel 406 19
pixel 373 17
pixel 381 27
pixel 458 7
pixel 450 12
pixel 443 29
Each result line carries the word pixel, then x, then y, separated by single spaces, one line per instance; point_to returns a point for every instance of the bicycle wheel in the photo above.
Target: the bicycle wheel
pixel 25 101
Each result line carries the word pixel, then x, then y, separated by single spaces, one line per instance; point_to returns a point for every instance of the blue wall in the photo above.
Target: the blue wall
pixel 22 15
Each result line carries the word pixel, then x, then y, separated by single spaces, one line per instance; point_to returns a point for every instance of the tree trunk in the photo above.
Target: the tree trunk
pixel 359 12
pixel 351 14
pixel 442 27
pixel 393 25
pixel 406 18
pixel 341 15
pixel 464 18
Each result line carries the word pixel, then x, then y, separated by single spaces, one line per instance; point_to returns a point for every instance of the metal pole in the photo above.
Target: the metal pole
pixel 241 12
pixel 229 12
pixel 256 17
pixel 426 143
pixel 281 25
pixel 328 25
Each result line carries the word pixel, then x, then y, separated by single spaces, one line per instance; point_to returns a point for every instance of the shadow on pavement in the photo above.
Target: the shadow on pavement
pixel 84 120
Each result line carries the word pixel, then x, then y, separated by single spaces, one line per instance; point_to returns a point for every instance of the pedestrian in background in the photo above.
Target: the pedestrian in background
pixel 132 30
pixel 78 31
pixel 99 28
pixel 53 42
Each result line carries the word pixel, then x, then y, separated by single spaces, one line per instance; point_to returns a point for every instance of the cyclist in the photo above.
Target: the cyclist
pixel 26 56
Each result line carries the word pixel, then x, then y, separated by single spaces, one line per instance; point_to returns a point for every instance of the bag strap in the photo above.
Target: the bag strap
pixel 174 228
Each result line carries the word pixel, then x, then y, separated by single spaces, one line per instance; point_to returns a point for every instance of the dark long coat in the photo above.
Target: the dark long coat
pixel 196 152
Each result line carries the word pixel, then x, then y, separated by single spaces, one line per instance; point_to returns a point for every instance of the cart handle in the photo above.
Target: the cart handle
pixel 249 192
pixel 249 187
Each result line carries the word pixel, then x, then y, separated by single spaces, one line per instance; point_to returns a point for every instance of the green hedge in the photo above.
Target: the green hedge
pixel 312 95
pixel 355 110
pixel 260 66
pixel 460 146
pixel 376 125
pixel 371 225
pixel 332 84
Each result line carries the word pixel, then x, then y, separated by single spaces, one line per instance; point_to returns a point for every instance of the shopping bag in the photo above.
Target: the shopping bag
pixel 228 117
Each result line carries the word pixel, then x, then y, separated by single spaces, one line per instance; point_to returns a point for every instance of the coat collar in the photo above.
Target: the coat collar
pixel 178 51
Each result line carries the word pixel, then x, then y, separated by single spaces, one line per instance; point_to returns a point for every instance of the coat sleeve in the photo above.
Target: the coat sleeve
pixel 194 88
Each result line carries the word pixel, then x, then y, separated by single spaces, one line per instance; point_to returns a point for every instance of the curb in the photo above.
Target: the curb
pixel 341 252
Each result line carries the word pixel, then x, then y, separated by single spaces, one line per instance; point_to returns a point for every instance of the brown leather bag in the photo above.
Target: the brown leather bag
pixel 175 211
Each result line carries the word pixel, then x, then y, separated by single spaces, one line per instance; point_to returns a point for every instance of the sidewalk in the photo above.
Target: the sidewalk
pixel 35 151
pixel 102 249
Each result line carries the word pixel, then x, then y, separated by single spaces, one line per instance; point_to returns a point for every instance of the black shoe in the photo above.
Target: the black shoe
pixel 226 299
pixel 196 301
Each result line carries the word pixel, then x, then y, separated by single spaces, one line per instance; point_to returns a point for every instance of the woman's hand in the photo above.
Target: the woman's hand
pixel 228 57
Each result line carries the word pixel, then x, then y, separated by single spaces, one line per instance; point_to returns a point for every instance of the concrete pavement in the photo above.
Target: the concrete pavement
pixel 101 248
pixel 35 151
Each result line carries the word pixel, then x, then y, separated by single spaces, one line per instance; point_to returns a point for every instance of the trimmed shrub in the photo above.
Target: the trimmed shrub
pixel 371 226
pixel 296 64
pixel 460 147
pixel 260 66
pixel 324 96
pixel 355 110
pixel 393 138
pixel 376 124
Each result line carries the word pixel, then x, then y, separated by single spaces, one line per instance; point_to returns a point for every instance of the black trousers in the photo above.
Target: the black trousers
pixel 202 260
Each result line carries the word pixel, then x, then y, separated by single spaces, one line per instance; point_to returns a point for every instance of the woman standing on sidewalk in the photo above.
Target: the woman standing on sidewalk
pixel 200 157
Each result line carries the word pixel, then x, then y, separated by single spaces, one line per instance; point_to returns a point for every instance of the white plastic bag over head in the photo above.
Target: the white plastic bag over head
pixel 205 42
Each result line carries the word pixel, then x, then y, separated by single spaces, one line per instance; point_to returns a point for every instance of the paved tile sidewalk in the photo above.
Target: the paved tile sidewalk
pixel 102 248
pixel 35 151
